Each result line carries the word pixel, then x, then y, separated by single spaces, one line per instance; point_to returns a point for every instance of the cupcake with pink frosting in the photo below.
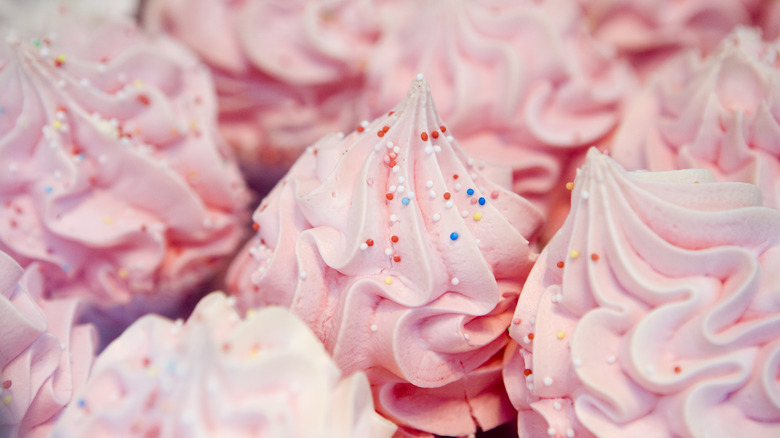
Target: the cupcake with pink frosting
pixel 220 375
pixel 720 112
pixel 521 83
pixel 44 356
pixel 649 32
pixel 403 259
pixel 652 312
pixel 287 72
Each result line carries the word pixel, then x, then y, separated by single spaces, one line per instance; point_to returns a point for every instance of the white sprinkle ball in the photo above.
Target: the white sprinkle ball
pixel 455 281
pixel 436 217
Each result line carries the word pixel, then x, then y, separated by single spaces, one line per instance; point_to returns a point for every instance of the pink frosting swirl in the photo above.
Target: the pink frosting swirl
pixel 721 113
pixel 649 32
pixel 521 83
pixel 112 174
pixel 44 357
pixel 221 375
pixel 287 72
pixel 653 311
pixel 403 259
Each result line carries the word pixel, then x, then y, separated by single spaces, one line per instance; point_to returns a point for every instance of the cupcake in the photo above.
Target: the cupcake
pixel 652 312
pixel 112 177
pixel 520 83
pixel 286 73
pixel 403 259
pixel 220 375
pixel 44 356
pixel 649 32
pixel 719 112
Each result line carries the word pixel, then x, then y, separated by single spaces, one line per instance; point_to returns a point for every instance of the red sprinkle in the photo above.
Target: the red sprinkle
pixel 396 259
pixel 594 257
pixel 385 128
pixel 531 336
pixel 560 265
pixel 455 176
pixel 225 347
pixel 370 242
pixel 443 128
pixel 359 129
pixel 7 384
pixel 389 196
pixel 380 133
pixel 144 99
pixel 424 136
pixel 435 134
pixel 390 113
pixel 394 239
pixel 516 321
pixel 447 195
pixel 677 370
pixel 528 372
pixel 494 194
pixel 145 361
pixel 392 163
pixel 255 226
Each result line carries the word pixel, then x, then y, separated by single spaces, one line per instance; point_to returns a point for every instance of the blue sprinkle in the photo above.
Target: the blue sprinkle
pixel 470 192
pixel 2 111
pixel 65 268
pixel 405 200
pixel 48 189
pixel 82 403
pixel 454 236
pixel 481 201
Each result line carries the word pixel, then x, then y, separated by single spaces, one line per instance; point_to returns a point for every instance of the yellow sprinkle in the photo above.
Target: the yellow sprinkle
pixel 561 335
pixel 574 254
pixel 57 124
pixel 569 186
pixel 194 125
pixel 388 280
pixel 108 220
pixel 151 371
pixel 477 216
pixel 122 273
pixel 61 59
pixel 250 313
pixel 254 351
pixel 7 400
pixel 138 83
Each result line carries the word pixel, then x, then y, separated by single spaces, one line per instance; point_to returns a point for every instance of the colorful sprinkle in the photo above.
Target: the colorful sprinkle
pixel 81 403
pixel 405 200
pixel 594 257
pixel 389 196
pixel 7 384
pixel 453 236
pixel 481 201
pixel 477 216
pixel 531 336
pixel 569 186
pixel 560 265
pixel 59 61
pixel 122 272
pixel 388 281
pixel 394 239
pixel 574 254
pixel 7 400
pixel 517 321
pixel 435 134
pixel 677 370
pixel 447 195
pixel 470 192
pixel 527 372
pixel 397 259
pixel 561 335
pixel 443 128
pixel 424 136
pixel 454 281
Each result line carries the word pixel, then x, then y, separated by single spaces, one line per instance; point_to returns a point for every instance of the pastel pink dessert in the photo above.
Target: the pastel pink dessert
pixel 404 260
pixel 652 312
pixel 112 175
pixel 649 32
pixel 769 19
pixel 521 83
pixel 218 375
pixel 287 72
pixel 44 355
pixel 721 113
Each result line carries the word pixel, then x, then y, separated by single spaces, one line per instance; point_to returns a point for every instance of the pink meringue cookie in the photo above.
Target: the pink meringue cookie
pixel 113 176
pixel 221 375
pixel 650 31
pixel 652 312
pixel 404 260
pixel 286 72
pixel 720 113
pixel 521 83
pixel 44 356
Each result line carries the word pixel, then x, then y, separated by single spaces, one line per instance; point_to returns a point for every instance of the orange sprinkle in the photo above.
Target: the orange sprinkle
pixel 594 257
pixel 360 129
pixel 392 163
pixel 560 264
pixel 455 176
pixel 528 372
pixel 531 336
pixel 255 226
pixel 390 113
pixel 447 195
pixel 677 370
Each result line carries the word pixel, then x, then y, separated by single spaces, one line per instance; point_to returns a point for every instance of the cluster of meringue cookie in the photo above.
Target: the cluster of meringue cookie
pixel 479 218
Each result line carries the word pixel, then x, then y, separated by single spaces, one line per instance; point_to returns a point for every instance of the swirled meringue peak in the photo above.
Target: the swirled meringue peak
pixel 44 355
pixel 218 375
pixel 112 175
pixel 546 89
pixel 721 113
pixel 287 72
pixel 403 259
pixel 652 312
pixel 649 32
